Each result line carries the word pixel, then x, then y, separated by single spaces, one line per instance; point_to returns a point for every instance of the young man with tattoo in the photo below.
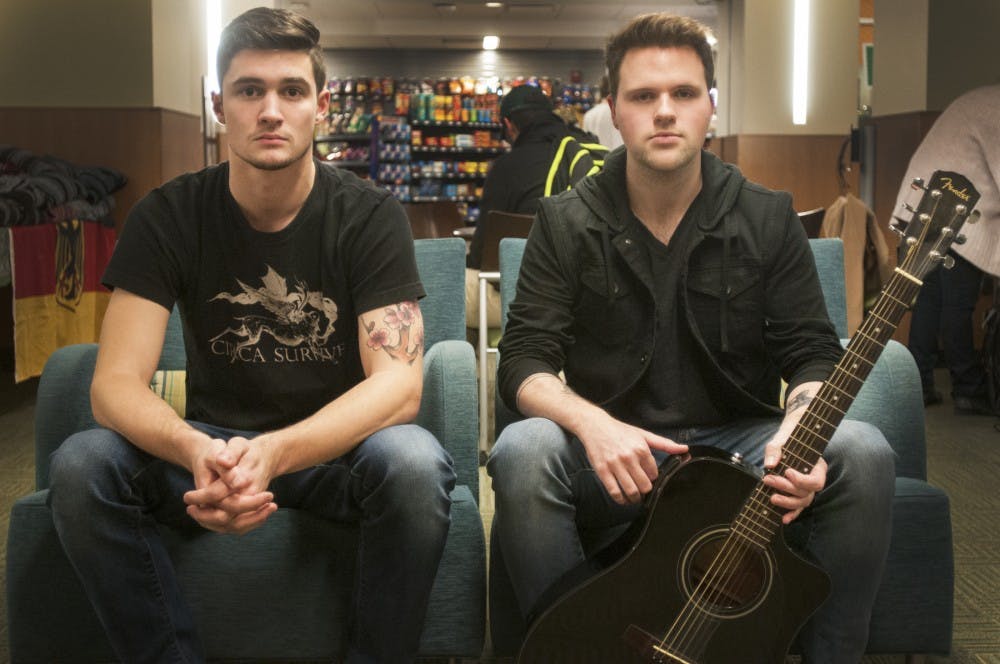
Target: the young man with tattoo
pixel 674 295
pixel 297 287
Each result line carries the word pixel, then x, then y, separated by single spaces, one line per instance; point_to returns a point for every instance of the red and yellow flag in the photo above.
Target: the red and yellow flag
pixel 58 296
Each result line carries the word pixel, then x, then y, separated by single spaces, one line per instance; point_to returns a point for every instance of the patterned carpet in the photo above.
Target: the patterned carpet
pixel 963 458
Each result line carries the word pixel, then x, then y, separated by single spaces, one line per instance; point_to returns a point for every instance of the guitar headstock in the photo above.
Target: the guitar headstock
pixel 947 202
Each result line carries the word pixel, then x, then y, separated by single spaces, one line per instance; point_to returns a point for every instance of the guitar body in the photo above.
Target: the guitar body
pixel 641 591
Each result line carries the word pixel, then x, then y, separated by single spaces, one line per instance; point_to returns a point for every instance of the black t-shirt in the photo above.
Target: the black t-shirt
pixel 672 392
pixel 270 319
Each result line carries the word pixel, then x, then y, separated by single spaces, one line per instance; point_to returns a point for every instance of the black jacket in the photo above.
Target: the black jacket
pixel 749 290
pixel 516 180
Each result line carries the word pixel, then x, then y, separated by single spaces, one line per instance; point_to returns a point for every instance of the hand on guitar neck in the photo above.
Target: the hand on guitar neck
pixel 794 491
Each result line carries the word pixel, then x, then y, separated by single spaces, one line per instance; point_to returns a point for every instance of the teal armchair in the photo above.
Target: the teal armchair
pixel 296 573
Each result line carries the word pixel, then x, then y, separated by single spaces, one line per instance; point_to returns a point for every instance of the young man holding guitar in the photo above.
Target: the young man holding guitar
pixel 675 296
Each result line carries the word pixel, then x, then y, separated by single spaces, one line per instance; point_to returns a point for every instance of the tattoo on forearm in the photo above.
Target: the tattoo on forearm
pixel 798 401
pixel 400 333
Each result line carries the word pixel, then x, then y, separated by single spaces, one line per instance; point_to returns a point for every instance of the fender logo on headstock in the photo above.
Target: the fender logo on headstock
pixel 961 193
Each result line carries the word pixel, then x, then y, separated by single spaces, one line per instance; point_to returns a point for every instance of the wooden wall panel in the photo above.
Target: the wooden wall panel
pixel 148 145
pixel 181 143
pixel 896 139
pixel 804 165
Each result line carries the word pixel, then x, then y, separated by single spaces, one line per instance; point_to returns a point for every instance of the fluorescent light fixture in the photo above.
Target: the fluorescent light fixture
pixel 494 5
pixel 491 43
pixel 213 28
pixel 800 62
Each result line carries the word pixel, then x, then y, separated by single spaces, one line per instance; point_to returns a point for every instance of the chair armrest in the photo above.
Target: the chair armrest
pixel 62 406
pixel 892 400
pixel 449 407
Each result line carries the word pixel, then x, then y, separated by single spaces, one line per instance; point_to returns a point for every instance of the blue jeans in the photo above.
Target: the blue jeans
pixel 551 509
pixel 944 308
pixel 108 495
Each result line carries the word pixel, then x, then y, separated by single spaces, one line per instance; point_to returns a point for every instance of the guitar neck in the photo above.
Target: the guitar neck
pixel 759 520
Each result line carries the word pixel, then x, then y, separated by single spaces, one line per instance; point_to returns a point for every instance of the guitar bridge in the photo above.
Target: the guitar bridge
pixel 649 647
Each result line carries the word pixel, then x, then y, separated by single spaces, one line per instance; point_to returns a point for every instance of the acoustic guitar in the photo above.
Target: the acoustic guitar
pixel 704 575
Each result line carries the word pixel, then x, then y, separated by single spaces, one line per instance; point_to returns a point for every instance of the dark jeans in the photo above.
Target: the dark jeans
pixel 107 496
pixel 944 309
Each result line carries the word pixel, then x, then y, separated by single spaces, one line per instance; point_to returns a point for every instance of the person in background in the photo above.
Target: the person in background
pixel 516 180
pixel 963 139
pixel 297 288
pixel 598 119
pixel 674 296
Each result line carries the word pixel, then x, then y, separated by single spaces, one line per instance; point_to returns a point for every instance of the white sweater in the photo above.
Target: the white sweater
pixel 966 139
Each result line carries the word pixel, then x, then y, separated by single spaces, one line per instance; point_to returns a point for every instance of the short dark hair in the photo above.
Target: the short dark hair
pixel 658 30
pixel 266 29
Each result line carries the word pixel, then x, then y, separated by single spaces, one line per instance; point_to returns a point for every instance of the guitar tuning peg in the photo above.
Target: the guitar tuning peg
pixel 948 262
pixel 959 239
pixel 898 226
pixel 960 210
pixel 974 217
pixel 936 193
pixel 917 183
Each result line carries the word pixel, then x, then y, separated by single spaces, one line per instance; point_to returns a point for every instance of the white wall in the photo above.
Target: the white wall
pixel 68 53
pixel 761 67
pixel 178 54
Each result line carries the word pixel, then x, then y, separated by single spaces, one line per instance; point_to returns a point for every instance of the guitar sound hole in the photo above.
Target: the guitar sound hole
pixel 725 584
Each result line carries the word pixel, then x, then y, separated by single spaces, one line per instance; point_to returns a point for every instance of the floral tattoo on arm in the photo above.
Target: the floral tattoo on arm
pixel 400 333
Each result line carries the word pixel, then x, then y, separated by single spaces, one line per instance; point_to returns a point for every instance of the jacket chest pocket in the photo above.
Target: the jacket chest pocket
pixel 729 312
pixel 606 315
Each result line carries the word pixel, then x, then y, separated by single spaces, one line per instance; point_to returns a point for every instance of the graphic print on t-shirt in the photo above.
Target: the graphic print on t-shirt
pixel 280 326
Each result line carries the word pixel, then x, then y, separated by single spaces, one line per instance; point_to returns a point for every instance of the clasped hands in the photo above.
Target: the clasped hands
pixel 231 480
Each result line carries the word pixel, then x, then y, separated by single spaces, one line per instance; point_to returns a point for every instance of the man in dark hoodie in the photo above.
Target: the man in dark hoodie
pixel 675 295
pixel 516 181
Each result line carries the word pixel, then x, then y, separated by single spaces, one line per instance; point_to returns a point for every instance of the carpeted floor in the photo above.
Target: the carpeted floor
pixel 963 458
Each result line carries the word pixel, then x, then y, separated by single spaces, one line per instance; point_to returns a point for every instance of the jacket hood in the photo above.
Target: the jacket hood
pixel 548 130
pixel 605 193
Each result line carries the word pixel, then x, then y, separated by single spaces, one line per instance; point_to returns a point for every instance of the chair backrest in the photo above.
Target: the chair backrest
pixel 511 251
pixel 441 264
pixel 496 226
pixel 828 253
pixel 437 219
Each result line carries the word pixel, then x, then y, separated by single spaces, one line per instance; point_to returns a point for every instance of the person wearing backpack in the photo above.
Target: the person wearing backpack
pixel 547 156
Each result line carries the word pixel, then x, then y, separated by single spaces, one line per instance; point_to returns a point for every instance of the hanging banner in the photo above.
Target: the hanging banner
pixel 58 296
